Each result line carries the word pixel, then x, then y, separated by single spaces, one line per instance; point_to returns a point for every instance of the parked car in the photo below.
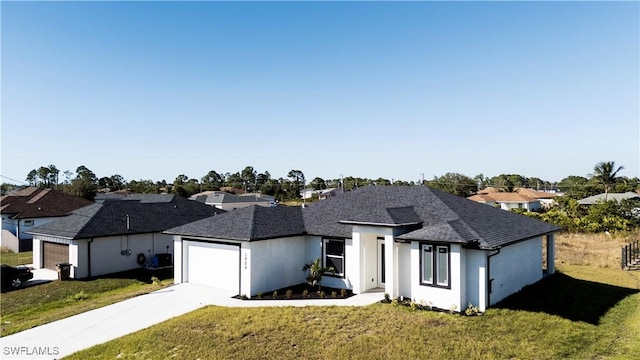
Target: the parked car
pixel 15 276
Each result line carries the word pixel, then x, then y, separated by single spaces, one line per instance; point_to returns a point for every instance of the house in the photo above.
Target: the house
pixel 608 197
pixel 327 193
pixel 547 199
pixel 228 202
pixel 259 195
pixel 308 193
pixel 411 241
pixel 111 236
pixel 508 200
pixel 29 207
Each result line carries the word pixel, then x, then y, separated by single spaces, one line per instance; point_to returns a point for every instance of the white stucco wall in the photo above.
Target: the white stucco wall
pixel 276 263
pixel 37 248
pixel 177 259
pixel 107 252
pixel 442 298
pixel 516 266
pixel 474 278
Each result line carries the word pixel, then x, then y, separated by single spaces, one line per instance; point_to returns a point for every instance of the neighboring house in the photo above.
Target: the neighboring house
pixel 415 242
pixel 547 199
pixel 308 193
pixel 507 200
pixel 608 197
pixel 29 207
pixel 327 193
pixel 232 190
pixel 109 237
pixel 229 202
pixel 270 198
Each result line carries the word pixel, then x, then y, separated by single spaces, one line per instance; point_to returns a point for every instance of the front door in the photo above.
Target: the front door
pixel 381 269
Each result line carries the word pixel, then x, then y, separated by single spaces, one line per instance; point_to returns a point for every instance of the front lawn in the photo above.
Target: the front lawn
pixel 14 259
pixel 40 304
pixel 594 323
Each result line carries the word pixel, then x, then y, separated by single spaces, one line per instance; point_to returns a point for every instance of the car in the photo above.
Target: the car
pixel 15 276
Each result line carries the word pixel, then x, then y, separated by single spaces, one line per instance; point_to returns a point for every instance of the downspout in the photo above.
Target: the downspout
pixel 89 257
pixel 489 279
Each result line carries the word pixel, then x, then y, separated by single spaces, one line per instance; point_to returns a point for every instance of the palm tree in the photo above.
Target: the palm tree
pixel 316 272
pixel 605 174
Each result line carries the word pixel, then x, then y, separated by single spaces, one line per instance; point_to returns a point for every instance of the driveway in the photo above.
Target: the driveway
pixel 66 336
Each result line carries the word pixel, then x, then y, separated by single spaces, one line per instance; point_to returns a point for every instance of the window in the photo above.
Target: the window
pixel 28 223
pixel 435 265
pixel 333 254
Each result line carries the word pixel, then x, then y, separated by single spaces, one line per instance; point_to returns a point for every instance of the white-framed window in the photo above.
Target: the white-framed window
pixel 434 265
pixel 28 222
pixel 333 255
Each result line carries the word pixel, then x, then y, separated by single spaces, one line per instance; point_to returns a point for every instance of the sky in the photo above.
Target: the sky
pixel 152 90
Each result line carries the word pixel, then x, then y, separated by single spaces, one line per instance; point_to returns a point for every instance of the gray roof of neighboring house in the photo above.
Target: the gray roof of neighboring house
pixel 145 213
pixel 218 197
pixel 607 197
pixel 423 213
pixel 249 223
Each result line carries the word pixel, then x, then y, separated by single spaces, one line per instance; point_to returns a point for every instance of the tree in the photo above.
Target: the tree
pixel 32 177
pixel 454 183
pixel 297 177
pixel 316 272
pixel 318 183
pixel 248 176
pixel 85 183
pixel 605 173
pixel 212 181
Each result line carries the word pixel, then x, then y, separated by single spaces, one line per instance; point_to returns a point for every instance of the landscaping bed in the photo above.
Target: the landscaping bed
pixel 301 292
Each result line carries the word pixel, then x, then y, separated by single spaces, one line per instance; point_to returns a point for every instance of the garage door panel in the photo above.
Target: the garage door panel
pixel 213 264
pixel 53 253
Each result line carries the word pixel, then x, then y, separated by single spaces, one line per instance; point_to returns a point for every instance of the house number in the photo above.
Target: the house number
pixel 245 261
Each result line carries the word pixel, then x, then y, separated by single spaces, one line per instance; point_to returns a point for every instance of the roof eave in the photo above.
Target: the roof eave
pixel 349 222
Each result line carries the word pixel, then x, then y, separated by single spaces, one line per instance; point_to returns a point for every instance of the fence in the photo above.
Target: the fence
pixel 630 254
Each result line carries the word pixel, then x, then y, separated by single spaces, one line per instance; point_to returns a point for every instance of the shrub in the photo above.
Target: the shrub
pixel 80 296
pixel 288 294
pixel 387 298
pixel 305 293
pixel 244 297
pixel 259 296
pixel 471 310
pixel 343 293
pixel 275 294
pixel 321 294
pixel 155 280
pixel 334 294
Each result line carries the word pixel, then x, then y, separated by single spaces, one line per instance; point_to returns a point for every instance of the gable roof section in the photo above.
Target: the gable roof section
pixel 33 202
pixel 141 214
pixel 247 224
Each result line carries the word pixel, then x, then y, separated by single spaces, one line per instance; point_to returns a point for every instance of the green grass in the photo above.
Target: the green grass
pixel 596 316
pixel 40 304
pixel 10 258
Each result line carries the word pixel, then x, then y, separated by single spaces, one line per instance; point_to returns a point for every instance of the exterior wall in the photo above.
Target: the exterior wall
pixel 177 259
pixel 533 205
pixel 119 253
pixel 18 228
pixel 516 266
pixel 475 278
pixel 79 258
pixel 404 269
pixel 10 241
pixel 278 263
pixel 441 298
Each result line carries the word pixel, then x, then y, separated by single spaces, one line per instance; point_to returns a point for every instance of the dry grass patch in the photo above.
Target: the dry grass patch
pixel 596 250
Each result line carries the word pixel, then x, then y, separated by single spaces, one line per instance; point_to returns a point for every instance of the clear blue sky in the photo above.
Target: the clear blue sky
pixel 152 90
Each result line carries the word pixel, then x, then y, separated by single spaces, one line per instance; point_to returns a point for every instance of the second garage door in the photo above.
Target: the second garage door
pixel 213 264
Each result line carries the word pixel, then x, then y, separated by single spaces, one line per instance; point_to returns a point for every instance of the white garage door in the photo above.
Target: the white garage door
pixel 213 264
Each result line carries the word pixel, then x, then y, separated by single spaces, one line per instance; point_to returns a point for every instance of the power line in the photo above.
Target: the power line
pixel 22 182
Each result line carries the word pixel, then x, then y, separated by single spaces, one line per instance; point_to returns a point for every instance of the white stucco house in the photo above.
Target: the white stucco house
pixel 110 236
pixel 29 207
pixel 415 242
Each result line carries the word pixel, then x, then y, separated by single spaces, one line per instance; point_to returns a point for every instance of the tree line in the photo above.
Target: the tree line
pixel 84 182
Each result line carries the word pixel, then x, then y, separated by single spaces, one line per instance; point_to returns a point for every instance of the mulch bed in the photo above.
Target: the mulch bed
pixel 297 292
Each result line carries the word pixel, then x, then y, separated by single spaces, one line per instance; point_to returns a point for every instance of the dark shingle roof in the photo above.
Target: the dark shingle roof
pixel 424 213
pixel 249 223
pixel 33 202
pixel 145 214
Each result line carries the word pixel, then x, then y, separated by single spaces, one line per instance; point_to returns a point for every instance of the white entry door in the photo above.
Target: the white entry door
pixel 381 268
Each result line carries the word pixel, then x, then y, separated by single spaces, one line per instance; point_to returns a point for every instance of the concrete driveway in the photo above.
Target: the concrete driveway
pixel 64 337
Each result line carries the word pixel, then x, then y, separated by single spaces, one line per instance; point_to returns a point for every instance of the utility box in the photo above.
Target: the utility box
pixel 64 271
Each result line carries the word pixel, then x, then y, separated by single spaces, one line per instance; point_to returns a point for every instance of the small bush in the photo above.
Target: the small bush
pixel 471 310
pixel 414 305
pixel 322 294
pixel 275 294
pixel 343 293
pixel 289 294
pixel 305 293
pixel 80 296
pixel 387 298
pixel 155 281
pixel 259 296
pixel 334 294
pixel 244 297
